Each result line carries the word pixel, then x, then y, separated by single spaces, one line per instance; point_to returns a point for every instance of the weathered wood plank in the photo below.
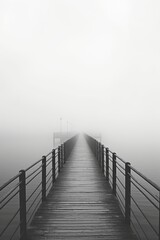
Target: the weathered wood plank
pixel 81 204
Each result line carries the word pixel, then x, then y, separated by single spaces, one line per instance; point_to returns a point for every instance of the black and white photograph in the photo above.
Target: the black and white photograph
pixel 79 120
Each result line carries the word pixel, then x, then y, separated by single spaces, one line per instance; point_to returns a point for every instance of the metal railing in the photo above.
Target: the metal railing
pixel 138 196
pixel 22 195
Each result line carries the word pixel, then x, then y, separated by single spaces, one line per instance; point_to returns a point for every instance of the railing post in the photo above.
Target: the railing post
pixel 98 153
pixel 114 173
pixel 53 166
pixel 59 159
pixel 102 156
pixel 107 164
pixel 96 150
pixel 64 152
pixel 127 192
pixel 22 201
pixel 43 178
pixel 62 156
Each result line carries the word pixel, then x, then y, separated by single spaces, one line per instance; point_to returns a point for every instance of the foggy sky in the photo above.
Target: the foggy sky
pixel 93 63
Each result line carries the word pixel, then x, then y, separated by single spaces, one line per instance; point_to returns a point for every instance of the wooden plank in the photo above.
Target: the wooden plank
pixel 81 204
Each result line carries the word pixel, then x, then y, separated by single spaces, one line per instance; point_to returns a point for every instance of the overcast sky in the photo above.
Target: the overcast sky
pixel 94 63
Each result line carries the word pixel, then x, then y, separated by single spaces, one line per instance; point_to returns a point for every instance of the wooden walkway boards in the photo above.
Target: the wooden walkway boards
pixel 81 204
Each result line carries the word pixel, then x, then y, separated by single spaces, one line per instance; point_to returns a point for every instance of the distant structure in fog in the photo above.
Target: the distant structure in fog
pixel 60 137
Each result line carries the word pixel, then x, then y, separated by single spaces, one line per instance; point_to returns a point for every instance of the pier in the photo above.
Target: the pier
pixel 80 190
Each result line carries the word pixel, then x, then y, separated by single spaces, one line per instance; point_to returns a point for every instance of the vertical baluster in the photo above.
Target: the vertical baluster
pixel 114 173
pixel 102 156
pixel 96 150
pixel 99 153
pixel 107 164
pixel 59 159
pixel 53 166
pixel 62 155
pixel 43 178
pixel 22 201
pixel 127 192
pixel 64 152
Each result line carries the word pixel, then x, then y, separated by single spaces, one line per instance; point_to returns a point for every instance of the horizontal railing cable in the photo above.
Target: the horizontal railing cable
pixel 3 205
pixel 11 220
pixel 9 182
pixel 140 226
pixel 146 179
pixel 49 186
pixel 35 190
pixel 120 183
pixel 48 163
pixel 48 154
pixel 13 234
pixel 135 230
pixel 9 193
pixel 35 209
pixel 155 197
pixel 146 196
pixel 33 202
pixel 33 165
pixel 121 171
pixel 31 174
pixel 33 177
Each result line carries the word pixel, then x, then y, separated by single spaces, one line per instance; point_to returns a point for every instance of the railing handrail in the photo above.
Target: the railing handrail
pixel 33 165
pixel 39 160
pixel 146 179
pixel 9 181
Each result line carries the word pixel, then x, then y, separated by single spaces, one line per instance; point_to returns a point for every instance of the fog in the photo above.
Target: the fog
pixel 94 64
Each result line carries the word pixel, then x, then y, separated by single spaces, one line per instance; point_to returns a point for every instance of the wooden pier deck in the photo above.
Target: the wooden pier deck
pixel 81 204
